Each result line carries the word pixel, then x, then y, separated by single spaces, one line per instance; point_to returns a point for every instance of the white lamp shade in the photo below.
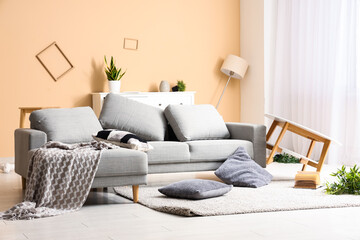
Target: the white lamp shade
pixel 236 65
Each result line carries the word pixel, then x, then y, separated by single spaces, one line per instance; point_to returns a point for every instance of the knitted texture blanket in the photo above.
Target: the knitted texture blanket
pixel 59 179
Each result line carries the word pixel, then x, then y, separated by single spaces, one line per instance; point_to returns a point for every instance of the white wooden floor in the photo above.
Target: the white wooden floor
pixel 108 216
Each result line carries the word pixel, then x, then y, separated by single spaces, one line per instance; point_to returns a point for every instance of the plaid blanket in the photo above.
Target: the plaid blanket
pixel 59 179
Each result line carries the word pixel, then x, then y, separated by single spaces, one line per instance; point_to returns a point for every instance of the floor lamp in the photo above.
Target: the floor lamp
pixel 234 67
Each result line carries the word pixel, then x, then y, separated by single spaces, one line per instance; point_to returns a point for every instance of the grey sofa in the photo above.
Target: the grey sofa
pixel 120 167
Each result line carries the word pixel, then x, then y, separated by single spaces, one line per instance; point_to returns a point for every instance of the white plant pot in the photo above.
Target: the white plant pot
pixel 114 86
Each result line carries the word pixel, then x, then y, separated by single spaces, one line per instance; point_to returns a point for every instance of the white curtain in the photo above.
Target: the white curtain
pixel 316 73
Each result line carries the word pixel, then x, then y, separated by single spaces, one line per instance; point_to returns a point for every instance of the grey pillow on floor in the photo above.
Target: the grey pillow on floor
pixel 195 189
pixel 241 171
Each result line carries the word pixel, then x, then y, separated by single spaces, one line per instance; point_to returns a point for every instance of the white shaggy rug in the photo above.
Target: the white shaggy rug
pixel 277 196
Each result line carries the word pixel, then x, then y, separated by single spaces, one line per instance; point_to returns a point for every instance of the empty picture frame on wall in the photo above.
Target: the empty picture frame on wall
pixel 130 44
pixel 55 62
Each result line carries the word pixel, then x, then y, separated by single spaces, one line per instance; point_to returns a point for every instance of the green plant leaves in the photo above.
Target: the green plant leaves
pixel 285 158
pixel 113 73
pixel 181 86
pixel 347 182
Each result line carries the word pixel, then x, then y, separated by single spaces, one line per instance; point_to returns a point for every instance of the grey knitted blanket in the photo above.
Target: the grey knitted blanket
pixel 59 179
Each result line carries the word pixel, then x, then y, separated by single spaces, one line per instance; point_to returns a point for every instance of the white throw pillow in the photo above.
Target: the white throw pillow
pixel 123 139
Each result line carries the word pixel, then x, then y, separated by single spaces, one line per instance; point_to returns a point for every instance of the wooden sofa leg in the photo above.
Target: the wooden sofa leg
pixel 23 182
pixel 135 189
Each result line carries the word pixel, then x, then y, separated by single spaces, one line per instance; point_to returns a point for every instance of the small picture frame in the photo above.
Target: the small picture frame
pixel 55 62
pixel 131 44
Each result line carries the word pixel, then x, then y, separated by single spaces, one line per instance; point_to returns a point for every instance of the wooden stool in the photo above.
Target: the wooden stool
pixel 25 110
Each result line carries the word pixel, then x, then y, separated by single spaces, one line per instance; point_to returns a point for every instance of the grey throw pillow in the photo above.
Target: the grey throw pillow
pixel 195 189
pixel 147 122
pixel 68 125
pixel 196 122
pixel 241 171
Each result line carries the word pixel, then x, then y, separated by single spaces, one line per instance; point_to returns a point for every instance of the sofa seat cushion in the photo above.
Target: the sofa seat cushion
pixel 216 150
pixel 168 152
pixel 122 162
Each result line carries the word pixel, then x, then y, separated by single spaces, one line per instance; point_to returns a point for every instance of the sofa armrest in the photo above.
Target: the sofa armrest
pixel 253 133
pixel 25 140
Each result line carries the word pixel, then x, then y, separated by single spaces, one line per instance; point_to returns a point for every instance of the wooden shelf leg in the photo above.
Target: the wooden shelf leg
pixel 135 189
pixel 324 152
pixel 304 162
pixel 276 145
pixel 311 148
pixel 271 130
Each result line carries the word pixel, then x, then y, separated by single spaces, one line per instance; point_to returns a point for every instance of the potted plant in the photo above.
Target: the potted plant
pixel 113 75
pixel 180 87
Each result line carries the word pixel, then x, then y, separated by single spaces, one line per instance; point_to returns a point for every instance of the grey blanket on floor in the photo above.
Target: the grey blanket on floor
pixel 241 171
pixel 59 179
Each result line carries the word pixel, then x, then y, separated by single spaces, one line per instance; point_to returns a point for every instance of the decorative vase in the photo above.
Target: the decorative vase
pixel 164 86
pixel 114 86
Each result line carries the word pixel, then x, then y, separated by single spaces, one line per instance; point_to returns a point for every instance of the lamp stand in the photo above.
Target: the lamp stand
pixel 223 91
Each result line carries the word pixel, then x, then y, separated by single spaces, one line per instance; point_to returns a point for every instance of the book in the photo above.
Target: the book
pixel 306 179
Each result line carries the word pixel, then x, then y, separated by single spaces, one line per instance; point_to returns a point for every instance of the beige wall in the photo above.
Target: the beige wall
pixel 178 39
pixel 252 49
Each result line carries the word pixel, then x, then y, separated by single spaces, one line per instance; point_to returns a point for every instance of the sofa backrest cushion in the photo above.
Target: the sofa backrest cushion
pixel 196 122
pixel 118 112
pixel 68 125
